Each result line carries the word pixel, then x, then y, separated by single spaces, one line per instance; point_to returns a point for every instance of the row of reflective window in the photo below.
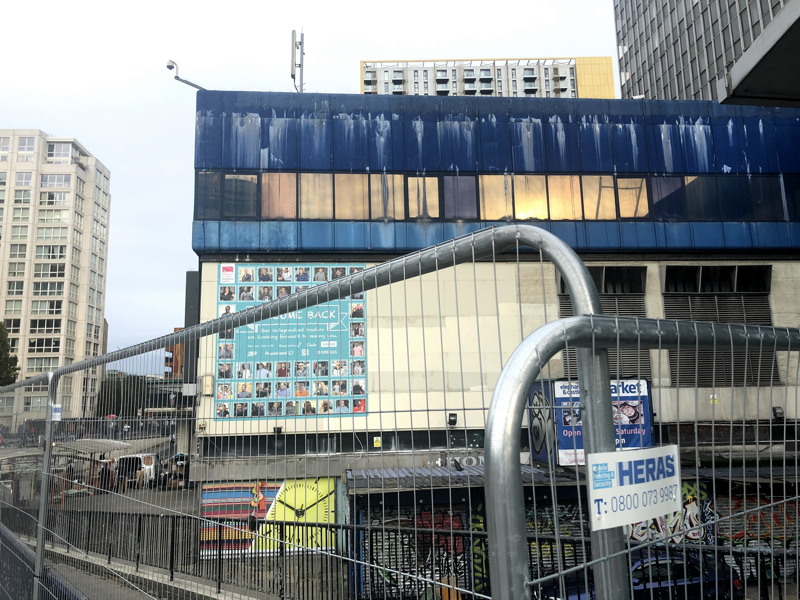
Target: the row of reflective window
pixel 361 197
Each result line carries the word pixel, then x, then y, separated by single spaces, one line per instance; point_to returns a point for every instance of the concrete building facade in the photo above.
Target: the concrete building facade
pixel 54 210
pixel 680 210
pixel 585 77
pixel 680 49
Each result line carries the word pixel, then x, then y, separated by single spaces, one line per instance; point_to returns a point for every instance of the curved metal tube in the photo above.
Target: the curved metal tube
pixel 508 552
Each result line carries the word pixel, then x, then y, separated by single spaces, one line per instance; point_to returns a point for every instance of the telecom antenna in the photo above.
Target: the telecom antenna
pixel 297 64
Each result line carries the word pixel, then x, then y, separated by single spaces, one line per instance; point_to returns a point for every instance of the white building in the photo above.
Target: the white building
pixel 587 77
pixel 54 211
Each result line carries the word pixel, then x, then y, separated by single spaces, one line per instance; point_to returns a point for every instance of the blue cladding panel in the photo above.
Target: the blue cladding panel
pixel 596 134
pixel 696 144
pixel 737 235
pixel 317 235
pixel 350 235
pixel 728 156
pixel 707 235
pixel 208 142
pixel 679 235
pixel 759 144
pixel 527 148
pixel 351 133
pixel 399 237
pixel 384 237
pixel 561 143
pixel 280 136
pixel 280 235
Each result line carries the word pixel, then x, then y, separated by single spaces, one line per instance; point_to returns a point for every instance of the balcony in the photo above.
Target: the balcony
pixel 529 74
pixel 469 75
pixel 559 74
pixel 398 76
pixel 369 76
pixel 442 76
pixel 442 87
pixel 370 89
pixel 398 89
pixel 530 86
pixel 486 75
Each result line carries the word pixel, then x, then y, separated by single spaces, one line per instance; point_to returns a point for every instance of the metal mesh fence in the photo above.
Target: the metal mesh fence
pixel 332 434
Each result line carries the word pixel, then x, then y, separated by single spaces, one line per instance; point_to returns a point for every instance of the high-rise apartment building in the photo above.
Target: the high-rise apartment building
pixel 685 49
pixel 54 210
pixel 589 77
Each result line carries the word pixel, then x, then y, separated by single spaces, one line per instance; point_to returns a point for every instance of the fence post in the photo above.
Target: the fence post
pixel 219 557
pixel 172 549
pixel 138 540
pixel 282 552
pixel 44 495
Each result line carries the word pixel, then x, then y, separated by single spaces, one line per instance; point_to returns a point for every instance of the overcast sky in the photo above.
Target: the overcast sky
pixel 96 71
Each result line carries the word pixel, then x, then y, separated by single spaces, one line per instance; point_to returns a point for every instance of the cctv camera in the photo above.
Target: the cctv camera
pixel 171 65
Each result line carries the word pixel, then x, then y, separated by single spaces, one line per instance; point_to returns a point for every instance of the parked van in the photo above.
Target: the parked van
pixel 130 464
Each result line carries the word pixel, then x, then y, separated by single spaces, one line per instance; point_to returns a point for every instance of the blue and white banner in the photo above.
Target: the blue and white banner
pixel 308 363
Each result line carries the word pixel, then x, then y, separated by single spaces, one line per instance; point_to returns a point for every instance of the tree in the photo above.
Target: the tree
pixel 8 361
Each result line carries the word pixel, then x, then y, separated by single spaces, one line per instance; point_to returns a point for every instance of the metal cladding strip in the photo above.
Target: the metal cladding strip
pixel 508 551
pixel 459 250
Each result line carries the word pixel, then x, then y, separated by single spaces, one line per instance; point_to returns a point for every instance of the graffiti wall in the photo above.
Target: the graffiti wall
pixel 407 545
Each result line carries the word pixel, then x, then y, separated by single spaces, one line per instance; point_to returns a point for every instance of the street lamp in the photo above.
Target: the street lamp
pixel 171 64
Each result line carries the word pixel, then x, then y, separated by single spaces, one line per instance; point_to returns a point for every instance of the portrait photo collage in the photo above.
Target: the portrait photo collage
pixel 305 364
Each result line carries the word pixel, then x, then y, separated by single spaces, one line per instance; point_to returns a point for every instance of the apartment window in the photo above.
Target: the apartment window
pixel 572 71
pixel 622 291
pixel 240 197
pixel 25 144
pixel 56 180
pixel 416 86
pixel 34 403
pixel 53 198
pixel 23 179
pixel 80 185
pixel 42 365
pixel 72 310
pixel 513 85
pixel 18 251
pixel 22 196
pixel 386 87
pixel 16 269
pixel 13 345
pixel 50 252
pixel 13 307
pixel 2 196
pixel 486 72
pixel 15 288
pixel 546 72
pixel 45 326
pixel 425 86
pixel 46 307
pixel 513 73
pixel 51 215
pixel 425 76
pixel 416 75
pixel 48 288
pixel 723 294
pixel 12 325
pixel 71 327
pixel 386 75
pixel 453 73
pixel 21 215
pixel 279 196
pixel 47 234
pixel 499 73
pixel 44 345
pixel 59 152
pixel 48 270
pixel 208 191
pixel 5 144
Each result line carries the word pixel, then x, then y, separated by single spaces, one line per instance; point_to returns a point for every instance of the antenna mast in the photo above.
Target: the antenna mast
pixel 297 65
